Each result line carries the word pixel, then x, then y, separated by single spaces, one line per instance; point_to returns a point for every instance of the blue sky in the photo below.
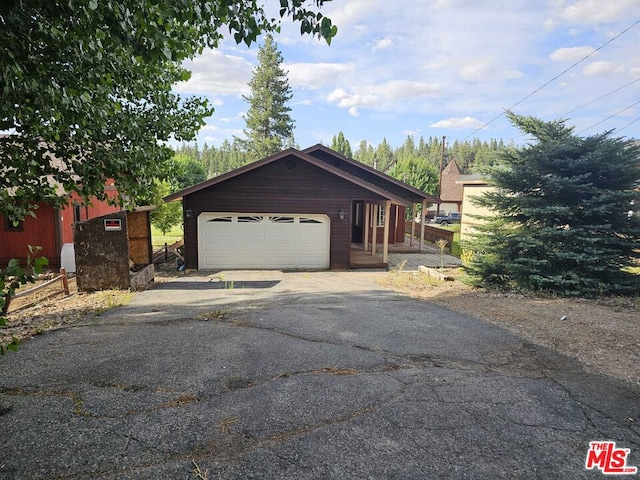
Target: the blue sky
pixel 441 68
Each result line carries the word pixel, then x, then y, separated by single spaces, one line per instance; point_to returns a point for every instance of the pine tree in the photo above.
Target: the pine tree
pixel 563 223
pixel 341 144
pixel 269 125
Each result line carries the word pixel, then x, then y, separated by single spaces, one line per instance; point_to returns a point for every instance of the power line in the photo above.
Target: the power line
pixel 627 125
pixel 554 79
pixel 601 97
pixel 610 116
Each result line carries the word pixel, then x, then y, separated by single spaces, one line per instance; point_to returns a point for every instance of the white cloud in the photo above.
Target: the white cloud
pixel 599 11
pixel 346 100
pixel 458 123
pixel 316 75
pixel 382 44
pixel 382 95
pixel 209 128
pixel 571 53
pixel 237 117
pixel 353 111
pixel 215 73
pixel 601 68
pixel 486 70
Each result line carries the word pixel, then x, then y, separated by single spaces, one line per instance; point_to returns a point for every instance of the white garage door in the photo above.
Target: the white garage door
pixel 242 240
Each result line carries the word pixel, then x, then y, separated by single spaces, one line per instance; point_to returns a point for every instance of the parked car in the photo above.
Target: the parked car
pixel 447 218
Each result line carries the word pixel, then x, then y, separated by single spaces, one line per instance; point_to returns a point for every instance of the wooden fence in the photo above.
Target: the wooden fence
pixel 162 255
pixel 431 234
pixel 64 287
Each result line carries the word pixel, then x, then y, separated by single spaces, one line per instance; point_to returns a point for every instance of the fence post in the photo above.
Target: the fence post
pixel 65 282
pixel 166 253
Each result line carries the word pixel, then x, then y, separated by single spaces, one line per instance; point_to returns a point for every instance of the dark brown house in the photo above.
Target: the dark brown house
pixel 294 210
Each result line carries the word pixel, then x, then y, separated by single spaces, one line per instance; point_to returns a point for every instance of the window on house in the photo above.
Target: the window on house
pixel 381 214
pixel 10 226
pixel 76 213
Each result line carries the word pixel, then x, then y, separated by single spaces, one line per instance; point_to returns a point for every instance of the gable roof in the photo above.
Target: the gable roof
pixel 451 190
pixel 371 175
pixel 396 199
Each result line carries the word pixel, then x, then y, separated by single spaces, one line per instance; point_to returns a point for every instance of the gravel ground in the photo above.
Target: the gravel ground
pixel 604 335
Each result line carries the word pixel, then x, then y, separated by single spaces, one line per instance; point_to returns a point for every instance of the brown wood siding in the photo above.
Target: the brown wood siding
pixel 288 185
pixel 366 175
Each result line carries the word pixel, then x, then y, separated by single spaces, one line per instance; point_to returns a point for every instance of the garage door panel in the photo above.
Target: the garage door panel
pixel 263 241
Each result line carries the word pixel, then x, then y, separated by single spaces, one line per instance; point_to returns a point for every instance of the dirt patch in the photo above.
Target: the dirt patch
pixel 602 334
pixel 50 309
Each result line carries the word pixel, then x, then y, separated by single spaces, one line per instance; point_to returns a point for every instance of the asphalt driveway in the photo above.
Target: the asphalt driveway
pixel 300 376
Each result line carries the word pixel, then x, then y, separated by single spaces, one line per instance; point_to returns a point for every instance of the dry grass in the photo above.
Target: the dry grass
pixel 53 310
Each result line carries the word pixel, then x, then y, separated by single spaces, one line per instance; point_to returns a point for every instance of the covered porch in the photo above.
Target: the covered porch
pixel 378 234
pixel 399 253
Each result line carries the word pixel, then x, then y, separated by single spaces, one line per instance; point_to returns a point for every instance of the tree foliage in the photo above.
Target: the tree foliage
pixel 13 278
pixel 89 84
pixel 418 173
pixel 269 124
pixel 341 145
pixel 166 214
pixel 562 222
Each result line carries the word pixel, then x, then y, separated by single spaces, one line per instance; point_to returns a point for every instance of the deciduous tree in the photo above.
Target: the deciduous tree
pixel 89 84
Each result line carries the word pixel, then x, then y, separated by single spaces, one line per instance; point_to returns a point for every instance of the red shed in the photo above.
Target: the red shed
pixel 52 228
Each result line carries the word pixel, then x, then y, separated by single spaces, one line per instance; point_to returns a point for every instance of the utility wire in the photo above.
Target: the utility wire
pixel 628 124
pixel 610 116
pixel 554 79
pixel 601 97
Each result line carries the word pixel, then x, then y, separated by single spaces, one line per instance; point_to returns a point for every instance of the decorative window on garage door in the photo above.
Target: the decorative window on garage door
pixel 250 219
pixel 225 219
pixel 281 219
pixel 309 220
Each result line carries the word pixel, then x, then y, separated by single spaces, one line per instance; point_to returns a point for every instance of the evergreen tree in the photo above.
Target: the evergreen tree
pixel 365 153
pixel 341 144
pixel 384 155
pixel 269 124
pixel 562 222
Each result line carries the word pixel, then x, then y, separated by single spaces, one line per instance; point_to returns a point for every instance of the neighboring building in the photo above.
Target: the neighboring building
pixel 52 228
pixel 473 186
pixel 451 190
pixel 294 210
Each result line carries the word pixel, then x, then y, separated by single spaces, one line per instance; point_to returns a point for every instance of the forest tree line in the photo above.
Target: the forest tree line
pixel 415 162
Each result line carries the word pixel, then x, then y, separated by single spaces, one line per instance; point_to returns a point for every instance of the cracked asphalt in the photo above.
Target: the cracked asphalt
pixel 319 375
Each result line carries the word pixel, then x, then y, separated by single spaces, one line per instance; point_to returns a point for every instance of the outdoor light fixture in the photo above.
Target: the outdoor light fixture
pixel 341 214
pixel 188 213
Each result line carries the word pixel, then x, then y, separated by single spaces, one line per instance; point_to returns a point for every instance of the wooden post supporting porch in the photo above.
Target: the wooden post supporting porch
pixel 387 221
pixel 367 208
pixel 422 222
pixel 374 235
pixel 413 223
